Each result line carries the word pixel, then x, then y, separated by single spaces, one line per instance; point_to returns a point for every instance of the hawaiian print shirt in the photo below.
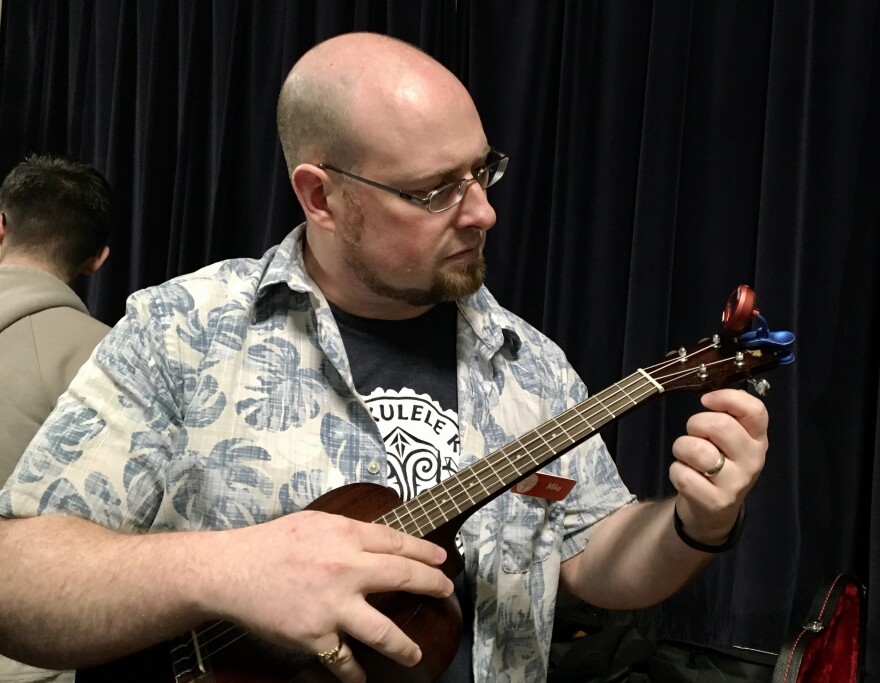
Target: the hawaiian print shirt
pixel 224 398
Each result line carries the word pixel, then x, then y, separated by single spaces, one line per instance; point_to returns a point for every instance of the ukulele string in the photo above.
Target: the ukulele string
pixel 208 647
pixel 631 390
pixel 677 360
pixel 494 465
pixel 453 494
pixel 473 475
pixel 668 379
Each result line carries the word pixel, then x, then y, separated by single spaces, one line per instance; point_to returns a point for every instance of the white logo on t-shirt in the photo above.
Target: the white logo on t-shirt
pixel 421 439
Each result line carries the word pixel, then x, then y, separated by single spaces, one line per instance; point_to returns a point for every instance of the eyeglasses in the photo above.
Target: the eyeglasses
pixel 445 196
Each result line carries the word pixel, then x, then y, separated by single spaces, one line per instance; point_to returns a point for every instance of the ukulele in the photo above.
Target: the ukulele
pixel 221 652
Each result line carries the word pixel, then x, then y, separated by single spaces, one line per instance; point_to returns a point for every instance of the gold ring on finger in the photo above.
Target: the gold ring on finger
pixel 718 466
pixel 330 657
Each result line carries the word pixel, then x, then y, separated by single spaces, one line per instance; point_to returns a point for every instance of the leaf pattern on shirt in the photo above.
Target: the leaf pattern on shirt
pixel 207 404
pixel 226 489
pixel 222 331
pixel 344 441
pixel 304 487
pixel 104 501
pixel 286 391
pixel 175 299
pixel 63 498
pixel 68 441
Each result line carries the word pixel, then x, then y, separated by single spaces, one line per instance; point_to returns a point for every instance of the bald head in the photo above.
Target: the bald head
pixel 344 94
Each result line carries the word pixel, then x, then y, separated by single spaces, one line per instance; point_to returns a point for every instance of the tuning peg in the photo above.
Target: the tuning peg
pixel 760 386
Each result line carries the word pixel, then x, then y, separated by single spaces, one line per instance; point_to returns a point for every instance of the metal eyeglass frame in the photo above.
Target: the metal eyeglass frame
pixel 498 165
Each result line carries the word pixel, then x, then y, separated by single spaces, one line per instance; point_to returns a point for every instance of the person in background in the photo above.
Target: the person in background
pixel 55 218
pixel 363 348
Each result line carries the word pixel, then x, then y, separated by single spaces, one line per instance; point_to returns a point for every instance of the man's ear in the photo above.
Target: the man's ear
pixel 317 194
pixel 91 266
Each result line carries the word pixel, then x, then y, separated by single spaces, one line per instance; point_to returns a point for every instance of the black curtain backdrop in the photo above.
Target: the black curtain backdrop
pixel 662 153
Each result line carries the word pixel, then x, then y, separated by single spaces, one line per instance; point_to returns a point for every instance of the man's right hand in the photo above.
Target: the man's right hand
pixel 301 580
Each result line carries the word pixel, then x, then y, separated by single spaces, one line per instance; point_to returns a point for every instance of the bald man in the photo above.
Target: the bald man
pixel 363 349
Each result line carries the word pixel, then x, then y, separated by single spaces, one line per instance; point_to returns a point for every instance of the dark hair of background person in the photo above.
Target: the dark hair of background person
pixel 59 209
pixel 661 153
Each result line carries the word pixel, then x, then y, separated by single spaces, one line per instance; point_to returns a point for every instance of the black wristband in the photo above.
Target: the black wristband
pixel 732 537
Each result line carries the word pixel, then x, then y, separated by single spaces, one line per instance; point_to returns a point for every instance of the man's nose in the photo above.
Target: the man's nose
pixel 474 209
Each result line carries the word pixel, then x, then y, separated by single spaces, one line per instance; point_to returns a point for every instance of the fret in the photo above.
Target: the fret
pixel 449 498
pixel 575 422
pixel 546 443
pixel 628 396
pixel 479 480
pixel 498 470
pixel 400 523
pixel 439 496
pixel 512 454
pixel 611 415
pixel 410 510
pixel 393 523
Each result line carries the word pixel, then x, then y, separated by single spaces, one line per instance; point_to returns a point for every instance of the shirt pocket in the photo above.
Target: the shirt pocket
pixel 529 529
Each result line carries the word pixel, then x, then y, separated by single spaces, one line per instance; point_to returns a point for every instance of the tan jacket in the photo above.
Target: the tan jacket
pixel 46 334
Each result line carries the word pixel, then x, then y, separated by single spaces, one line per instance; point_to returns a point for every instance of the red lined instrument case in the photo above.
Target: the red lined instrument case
pixel 829 648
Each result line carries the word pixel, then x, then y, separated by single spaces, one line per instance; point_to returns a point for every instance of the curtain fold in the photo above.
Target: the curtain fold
pixel 661 154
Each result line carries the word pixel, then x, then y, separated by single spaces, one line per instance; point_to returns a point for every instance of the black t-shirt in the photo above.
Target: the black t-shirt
pixel 418 353
pixel 406 372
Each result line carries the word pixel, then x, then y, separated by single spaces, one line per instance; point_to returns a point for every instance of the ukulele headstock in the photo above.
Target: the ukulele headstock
pixel 736 355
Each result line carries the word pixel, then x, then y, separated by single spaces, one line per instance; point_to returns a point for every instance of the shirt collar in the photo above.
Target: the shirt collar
pixel 287 266
pixel 493 325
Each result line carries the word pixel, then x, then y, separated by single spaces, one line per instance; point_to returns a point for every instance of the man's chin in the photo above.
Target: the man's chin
pixel 454 282
pixel 462 280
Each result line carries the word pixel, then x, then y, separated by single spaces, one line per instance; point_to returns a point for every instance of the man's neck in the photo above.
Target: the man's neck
pixel 19 259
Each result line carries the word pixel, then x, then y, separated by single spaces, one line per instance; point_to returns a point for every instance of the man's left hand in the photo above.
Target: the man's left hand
pixel 718 462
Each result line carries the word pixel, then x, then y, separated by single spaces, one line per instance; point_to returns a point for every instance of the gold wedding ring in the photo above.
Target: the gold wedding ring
pixel 715 470
pixel 330 657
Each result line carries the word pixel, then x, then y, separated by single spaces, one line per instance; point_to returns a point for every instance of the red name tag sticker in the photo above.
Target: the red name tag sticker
pixel 542 485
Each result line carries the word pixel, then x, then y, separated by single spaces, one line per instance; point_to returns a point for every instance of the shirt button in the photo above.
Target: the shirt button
pixel 373 467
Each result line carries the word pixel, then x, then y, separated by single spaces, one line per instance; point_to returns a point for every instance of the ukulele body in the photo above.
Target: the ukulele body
pixel 433 623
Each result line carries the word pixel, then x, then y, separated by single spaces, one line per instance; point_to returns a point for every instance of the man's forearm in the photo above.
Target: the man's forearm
pixel 634 559
pixel 79 594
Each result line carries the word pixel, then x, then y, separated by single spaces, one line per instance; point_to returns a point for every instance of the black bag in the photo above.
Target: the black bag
pixel 694 663
pixel 830 648
pixel 622 647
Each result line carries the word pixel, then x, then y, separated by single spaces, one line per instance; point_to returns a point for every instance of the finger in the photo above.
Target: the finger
pixel 378 538
pixel 708 512
pixel 375 630
pixel 697 453
pixel 749 411
pixel 383 573
pixel 727 435
pixel 698 490
pixel 346 667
